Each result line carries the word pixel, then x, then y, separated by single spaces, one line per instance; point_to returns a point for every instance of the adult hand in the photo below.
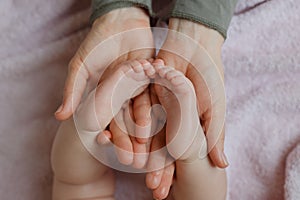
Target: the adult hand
pixel 89 60
pixel 195 50
pixel 120 35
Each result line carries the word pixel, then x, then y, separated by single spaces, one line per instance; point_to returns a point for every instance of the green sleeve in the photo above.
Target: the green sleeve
pixel 101 7
pixel 215 14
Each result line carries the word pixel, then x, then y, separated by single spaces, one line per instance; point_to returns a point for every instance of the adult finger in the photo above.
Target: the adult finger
pixel 74 87
pixel 157 160
pixel 158 114
pixel 217 154
pixel 162 191
pixel 122 143
pixel 129 118
pixel 142 116
pixel 140 152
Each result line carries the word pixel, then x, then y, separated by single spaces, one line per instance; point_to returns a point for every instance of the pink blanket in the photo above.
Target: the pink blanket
pixel 262 66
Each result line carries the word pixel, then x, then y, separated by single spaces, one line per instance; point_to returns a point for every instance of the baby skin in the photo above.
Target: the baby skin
pixel 77 172
pixel 196 177
pixel 79 175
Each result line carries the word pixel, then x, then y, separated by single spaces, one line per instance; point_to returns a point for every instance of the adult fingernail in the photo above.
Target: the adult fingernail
pixel 163 191
pixel 155 180
pixel 156 173
pixel 149 177
pixel 60 108
pixel 103 138
pixel 224 158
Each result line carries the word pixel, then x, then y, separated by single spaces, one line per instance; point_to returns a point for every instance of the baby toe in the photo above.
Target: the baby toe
pixel 163 71
pixel 136 66
pixel 159 62
pixel 172 74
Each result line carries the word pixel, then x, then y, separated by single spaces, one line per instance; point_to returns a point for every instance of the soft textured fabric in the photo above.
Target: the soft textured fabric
pixel 215 14
pixel 262 75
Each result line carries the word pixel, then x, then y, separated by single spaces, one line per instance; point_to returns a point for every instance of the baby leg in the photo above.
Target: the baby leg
pixel 77 172
pixel 78 175
pixel 199 180
pixel 196 177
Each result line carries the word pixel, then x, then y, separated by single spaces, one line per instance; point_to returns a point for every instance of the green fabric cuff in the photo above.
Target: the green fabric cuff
pixel 215 14
pixel 101 7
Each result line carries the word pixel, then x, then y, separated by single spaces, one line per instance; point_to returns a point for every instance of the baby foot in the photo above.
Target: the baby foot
pixel 103 104
pixel 184 135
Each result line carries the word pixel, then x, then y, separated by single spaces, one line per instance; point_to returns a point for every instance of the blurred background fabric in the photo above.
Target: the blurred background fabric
pixel 262 75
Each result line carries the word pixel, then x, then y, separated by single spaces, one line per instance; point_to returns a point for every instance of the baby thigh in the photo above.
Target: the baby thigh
pixel 78 175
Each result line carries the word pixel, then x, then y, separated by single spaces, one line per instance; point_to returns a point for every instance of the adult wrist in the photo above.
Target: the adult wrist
pixel 207 37
pixel 122 14
pixel 102 7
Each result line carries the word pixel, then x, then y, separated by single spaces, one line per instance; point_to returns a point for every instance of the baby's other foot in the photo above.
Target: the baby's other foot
pixel 106 101
pixel 103 103
pixel 184 135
